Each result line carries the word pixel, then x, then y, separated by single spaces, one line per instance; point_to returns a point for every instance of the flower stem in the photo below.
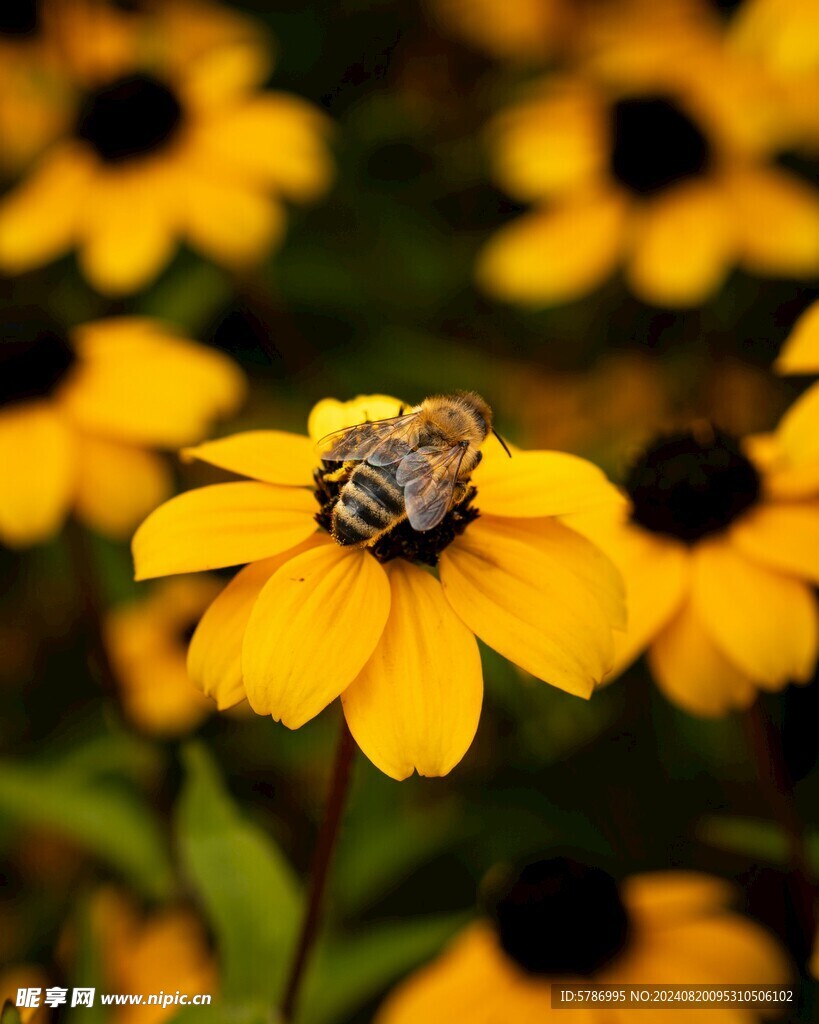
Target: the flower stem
pixel 777 790
pixel 320 869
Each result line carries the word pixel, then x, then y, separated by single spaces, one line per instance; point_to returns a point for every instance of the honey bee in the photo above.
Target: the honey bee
pixel 412 466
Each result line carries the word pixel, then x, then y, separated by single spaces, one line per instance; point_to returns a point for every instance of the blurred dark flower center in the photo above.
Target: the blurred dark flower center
pixel 689 486
pixel 34 357
pixel 655 144
pixel 401 541
pixel 559 917
pixel 19 18
pixel 130 117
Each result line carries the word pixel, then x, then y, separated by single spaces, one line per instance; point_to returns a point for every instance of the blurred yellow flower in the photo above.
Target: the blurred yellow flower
pixel 147 642
pixel 168 138
pixel 562 922
pixel 79 412
pixel 720 554
pixel 655 156
pixel 165 951
pixel 308 620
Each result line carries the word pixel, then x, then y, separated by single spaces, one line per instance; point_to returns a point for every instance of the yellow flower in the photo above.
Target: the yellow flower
pixel 309 620
pixel 562 922
pixel 80 411
pixel 164 952
pixel 799 432
pixel 147 643
pixel 657 158
pixel 719 551
pixel 169 139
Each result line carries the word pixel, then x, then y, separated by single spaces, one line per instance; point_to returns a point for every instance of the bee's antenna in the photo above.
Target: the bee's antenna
pixel 502 442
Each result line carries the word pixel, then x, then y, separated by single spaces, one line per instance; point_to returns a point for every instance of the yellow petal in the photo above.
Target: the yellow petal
pixel 655 573
pixel 541 484
pixel 782 479
pixel 144 642
pixel 416 704
pixel 40 219
pixel 311 631
pixel 798 430
pixel 38 460
pixel 273 456
pixel 118 485
pixel 555 255
pixel 140 383
pixel 530 600
pixel 225 73
pixel 663 897
pixel 800 353
pixel 777 218
pixel 763 621
pixel 274 140
pixel 684 245
pixel 128 231
pixel 215 652
pixel 330 415
pixel 221 525
pixel 470 981
pixel 550 144
pixel 782 536
pixel 694 673
pixel 581 556
pixel 228 221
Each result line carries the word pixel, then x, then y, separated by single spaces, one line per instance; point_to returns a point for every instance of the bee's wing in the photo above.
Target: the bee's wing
pixel 380 442
pixel 428 477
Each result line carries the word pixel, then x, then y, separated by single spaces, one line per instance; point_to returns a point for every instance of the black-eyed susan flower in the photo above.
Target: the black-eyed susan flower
pixel 718 549
pixel 81 410
pixel 561 922
pixel 147 643
pixel 170 139
pixel 309 620
pixel 656 157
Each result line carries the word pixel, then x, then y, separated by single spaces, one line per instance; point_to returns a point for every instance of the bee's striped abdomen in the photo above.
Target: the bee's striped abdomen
pixel 369 504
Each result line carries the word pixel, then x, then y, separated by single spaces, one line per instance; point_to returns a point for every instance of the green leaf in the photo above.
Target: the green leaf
pixel 352 969
pixel 247 888
pixel 380 852
pixel 104 815
pixel 753 837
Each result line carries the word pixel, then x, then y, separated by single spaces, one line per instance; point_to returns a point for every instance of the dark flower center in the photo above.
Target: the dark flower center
pixel 559 917
pixel 34 356
pixel 401 541
pixel 19 18
pixel 689 485
pixel 130 117
pixel 655 144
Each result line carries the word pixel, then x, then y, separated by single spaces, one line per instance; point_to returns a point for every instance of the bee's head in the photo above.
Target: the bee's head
pixel 479 410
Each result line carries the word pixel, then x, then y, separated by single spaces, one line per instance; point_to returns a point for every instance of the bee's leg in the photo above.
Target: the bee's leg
pixel 459 493
pixel 478 458
pixel 339 474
